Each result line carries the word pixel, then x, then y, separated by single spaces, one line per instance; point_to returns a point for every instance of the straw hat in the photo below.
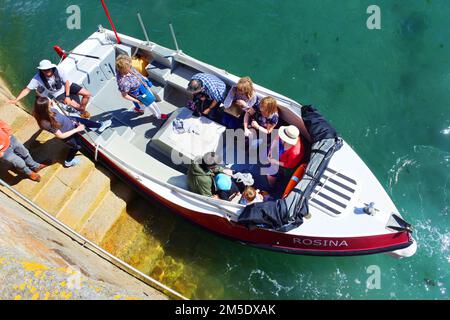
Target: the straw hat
pixel 289 134
pixel 45 65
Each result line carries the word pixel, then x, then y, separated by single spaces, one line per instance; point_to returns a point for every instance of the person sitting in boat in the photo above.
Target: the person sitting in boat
pixel 135 87
pixel 64 127
pixel 50 81
pixel 290 153
pixel 201 175
pixel 262 117
pixel 208 93
pixel 239 100
pixel 226 187
pixel 14 152
pixel 251 195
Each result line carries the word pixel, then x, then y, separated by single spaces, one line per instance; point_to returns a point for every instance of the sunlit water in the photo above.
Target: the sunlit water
pixel 386 91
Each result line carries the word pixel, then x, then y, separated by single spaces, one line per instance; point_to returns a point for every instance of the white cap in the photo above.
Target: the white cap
pixel 45 65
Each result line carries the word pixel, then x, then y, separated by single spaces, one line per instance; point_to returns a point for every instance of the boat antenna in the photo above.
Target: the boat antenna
pixel 110 21
pixel 143 28
pixel 174 37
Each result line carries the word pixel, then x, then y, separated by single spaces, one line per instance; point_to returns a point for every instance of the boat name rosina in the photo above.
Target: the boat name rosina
pixel 321 242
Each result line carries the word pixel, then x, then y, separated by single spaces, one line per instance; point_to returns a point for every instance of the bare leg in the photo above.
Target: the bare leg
pixel 86 96
pixel 75 105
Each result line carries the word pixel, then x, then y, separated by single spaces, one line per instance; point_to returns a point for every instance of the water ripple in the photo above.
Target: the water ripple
pixel 401 164
pixel 261 278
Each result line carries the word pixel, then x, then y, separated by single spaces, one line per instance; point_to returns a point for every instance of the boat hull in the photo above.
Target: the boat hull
pixel 269 239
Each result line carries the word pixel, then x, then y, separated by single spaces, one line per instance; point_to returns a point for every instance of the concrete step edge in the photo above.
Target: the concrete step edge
pixel 44 184
pixel 119 210
pixel 76 191
pixel 91 208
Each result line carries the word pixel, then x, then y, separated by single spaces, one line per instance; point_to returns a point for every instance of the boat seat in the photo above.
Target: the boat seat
pixel 180 78
pixel 162 56
pixel 157 72
pixel 143 162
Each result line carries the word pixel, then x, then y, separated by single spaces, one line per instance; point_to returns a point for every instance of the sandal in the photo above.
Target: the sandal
pixel 85 115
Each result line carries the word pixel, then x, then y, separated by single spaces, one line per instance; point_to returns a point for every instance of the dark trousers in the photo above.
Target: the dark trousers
pixel 74 141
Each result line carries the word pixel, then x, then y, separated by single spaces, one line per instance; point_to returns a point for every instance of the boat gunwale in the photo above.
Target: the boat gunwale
pixel 194 63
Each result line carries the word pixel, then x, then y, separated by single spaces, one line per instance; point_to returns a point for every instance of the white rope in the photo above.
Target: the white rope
pixel 96 152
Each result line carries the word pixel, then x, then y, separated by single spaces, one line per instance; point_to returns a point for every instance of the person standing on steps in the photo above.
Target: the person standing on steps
pixel 50 81
pixel 15 153
pixel 64 127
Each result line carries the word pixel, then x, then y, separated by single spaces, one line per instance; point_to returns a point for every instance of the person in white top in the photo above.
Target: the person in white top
pixel 51 82
pixel 239 100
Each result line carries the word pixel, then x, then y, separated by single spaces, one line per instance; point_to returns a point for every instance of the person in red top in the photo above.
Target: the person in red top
pixel 14 152
pixel 290 153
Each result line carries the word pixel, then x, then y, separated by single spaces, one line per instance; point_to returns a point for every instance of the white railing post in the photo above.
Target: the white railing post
pixel 174 37
pixel 143 28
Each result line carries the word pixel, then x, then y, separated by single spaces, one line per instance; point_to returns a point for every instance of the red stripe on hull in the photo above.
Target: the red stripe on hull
pixel 278 240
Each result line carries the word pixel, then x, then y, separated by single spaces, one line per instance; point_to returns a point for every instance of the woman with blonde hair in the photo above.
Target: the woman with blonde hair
pixel 135 87
pixel 239 100
pixel 264 116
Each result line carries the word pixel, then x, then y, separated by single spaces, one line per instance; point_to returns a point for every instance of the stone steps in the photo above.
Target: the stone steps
pixel 91 200
pixel 85 199
pixel 143 252
pixel 28 131
pixel 107 213
pixel 123 233
pixel 13 115
pixel 139 246
pixel 63 185
pixel 123 236
pixel 31 189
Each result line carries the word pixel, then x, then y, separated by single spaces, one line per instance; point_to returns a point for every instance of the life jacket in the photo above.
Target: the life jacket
pixel 295 179
pixel 58 81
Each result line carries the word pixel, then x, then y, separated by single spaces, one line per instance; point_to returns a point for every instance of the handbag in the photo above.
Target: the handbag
pixel 147 84
pixel 145 96
pixel 198 105
pixel 234 110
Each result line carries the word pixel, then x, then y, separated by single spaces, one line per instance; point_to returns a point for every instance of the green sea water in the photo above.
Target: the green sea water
pixel 386 91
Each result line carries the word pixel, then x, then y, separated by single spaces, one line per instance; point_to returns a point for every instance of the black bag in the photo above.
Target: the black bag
pixel 198 104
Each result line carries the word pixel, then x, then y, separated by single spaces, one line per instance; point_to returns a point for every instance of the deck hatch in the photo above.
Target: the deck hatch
pixel 334 192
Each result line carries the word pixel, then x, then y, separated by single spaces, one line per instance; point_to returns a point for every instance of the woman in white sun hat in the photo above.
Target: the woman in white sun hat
pixel 290 153
pixel 51 82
